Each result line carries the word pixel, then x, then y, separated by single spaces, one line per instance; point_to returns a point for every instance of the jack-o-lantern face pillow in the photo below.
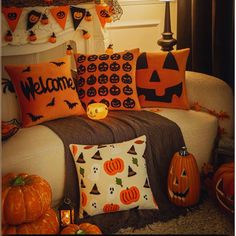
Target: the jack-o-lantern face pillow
pixel 108 79
pixel 160 79
pixel 45 91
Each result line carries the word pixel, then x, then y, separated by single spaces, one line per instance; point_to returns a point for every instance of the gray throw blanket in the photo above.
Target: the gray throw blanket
pixel 164 138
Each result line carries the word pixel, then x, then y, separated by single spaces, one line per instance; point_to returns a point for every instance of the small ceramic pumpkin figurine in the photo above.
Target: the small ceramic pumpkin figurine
pixel 183 179
pixel 97 111
pixel 8 36
pixel 84 228
pixel 32 36
pixel 52 38
pixel 88 16
pixel 44 20
pixel 223 186
pixel 86 34
pixel 109 49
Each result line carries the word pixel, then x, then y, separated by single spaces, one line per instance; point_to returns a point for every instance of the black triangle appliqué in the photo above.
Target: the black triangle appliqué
pixel 170 62
pixel 142 61
pixel 155 77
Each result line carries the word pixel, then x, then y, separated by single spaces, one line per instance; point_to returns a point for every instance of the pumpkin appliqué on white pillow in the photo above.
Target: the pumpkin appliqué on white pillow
pixel 112 177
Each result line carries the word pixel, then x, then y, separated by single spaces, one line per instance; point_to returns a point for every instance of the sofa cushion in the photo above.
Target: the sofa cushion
pixel 160 79
pixel 45 91
pixel 108 79
pixel 112 177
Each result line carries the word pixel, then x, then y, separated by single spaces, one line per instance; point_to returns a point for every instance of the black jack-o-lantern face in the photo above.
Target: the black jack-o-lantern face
pixel 103 66
pixel 114 66
pixel 115 56
pixel 61 14
pixel 81 69
pixel 92 58
pixel 12 15
pixel 127 90
pixel 91 92
pixel 105 102
pixel 92 67
pixel 103 57
pixel 91 80
pixel 81 58
pixel 103 91
pixel 77 15
pixel 114 78
pixel 104 13
pixel 102 79
pixel 115 103
pixel 81 93
pixel 126 79
pixel 114 90
pixel 80 81
pixel 129 103
pixel 127 67
pixel 128 56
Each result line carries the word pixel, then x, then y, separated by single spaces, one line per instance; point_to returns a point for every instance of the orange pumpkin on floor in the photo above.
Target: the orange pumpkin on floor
pixel 223 185
pixel 24 198
pixel 46 224
pixel 84 228
pixel 183 179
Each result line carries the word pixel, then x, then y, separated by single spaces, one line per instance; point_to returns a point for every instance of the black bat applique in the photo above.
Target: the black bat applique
pixel 34 117
pixel 58 63
pixel 27 69
pixel 52 103
pixel 71 105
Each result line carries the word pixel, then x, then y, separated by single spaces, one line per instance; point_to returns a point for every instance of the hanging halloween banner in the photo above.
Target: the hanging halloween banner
pixel 60 15
pixel 77 15
pixel 103 14
pixel 12 15
pixel 33 18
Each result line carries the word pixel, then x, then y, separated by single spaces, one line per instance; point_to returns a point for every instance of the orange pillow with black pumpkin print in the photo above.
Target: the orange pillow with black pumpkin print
pixel 160 79
pixel 108 79
pixel 45 91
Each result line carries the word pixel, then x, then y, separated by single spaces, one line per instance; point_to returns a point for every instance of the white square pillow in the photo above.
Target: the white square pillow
pixel 112 177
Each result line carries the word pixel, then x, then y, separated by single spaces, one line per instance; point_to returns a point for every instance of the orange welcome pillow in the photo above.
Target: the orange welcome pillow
pixel 45 91
pixel 160 79
pixel 108 79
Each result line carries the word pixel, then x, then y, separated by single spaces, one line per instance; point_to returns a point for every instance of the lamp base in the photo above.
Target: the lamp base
pixel 167 41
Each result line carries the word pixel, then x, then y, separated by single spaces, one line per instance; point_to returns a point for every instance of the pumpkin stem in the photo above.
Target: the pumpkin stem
pixel 18 181
pixel 79 232
pixel 183 151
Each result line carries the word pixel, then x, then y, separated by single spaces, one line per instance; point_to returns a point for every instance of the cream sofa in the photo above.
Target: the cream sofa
pixel 38 150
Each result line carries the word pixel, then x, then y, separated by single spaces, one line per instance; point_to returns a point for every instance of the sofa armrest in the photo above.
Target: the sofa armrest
pixel 212 94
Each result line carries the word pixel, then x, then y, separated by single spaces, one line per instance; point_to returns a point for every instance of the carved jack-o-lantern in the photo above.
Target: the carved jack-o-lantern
pixel 91 80
pixel 114 90
pixel 103 91
pixel 91 92
pixel 183 179
pixel 114 78
pixel 129 103
pixel 103 66
pixel 92 67
pixel 61 14
pixel 102 79
pixel 97 111
pixel 77 15
pixel 223 184
pixel 114 66
pixel 115 103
